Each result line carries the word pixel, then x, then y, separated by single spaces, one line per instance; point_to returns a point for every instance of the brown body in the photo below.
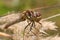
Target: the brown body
pixel 30 15
pixel 33 16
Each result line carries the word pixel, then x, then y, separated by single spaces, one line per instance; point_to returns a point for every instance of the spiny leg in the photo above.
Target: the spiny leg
pixel 33 23
pixel 30 27
pixel 24 30
pixel 35 27
pixel 40 24
pixel 27 26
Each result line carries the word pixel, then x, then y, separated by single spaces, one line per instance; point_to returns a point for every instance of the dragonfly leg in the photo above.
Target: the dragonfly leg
pixel 40 24
pixel 30 27
pixel 25 29
pixel 35 27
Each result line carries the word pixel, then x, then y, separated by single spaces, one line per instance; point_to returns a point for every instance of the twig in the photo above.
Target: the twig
pixel 5 35
pixel 51 17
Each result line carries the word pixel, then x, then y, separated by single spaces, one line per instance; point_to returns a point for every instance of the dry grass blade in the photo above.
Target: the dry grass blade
pixel 5 35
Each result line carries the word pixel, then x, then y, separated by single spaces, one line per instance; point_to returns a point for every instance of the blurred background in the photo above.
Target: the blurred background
pixel 21 5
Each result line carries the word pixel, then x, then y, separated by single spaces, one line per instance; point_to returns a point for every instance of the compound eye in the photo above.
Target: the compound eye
pixel 37 14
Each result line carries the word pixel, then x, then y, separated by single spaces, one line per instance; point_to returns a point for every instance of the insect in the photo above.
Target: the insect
pixel 32 16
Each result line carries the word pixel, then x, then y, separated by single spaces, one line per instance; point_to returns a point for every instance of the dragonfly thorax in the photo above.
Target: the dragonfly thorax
pixel 32 15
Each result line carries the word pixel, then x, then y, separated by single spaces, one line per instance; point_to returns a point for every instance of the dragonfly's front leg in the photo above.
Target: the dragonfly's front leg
pixel 25 29
pixel 26 26
pixel 30 27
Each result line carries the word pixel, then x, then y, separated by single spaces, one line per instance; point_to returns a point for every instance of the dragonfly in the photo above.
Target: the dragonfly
pixel 32 15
